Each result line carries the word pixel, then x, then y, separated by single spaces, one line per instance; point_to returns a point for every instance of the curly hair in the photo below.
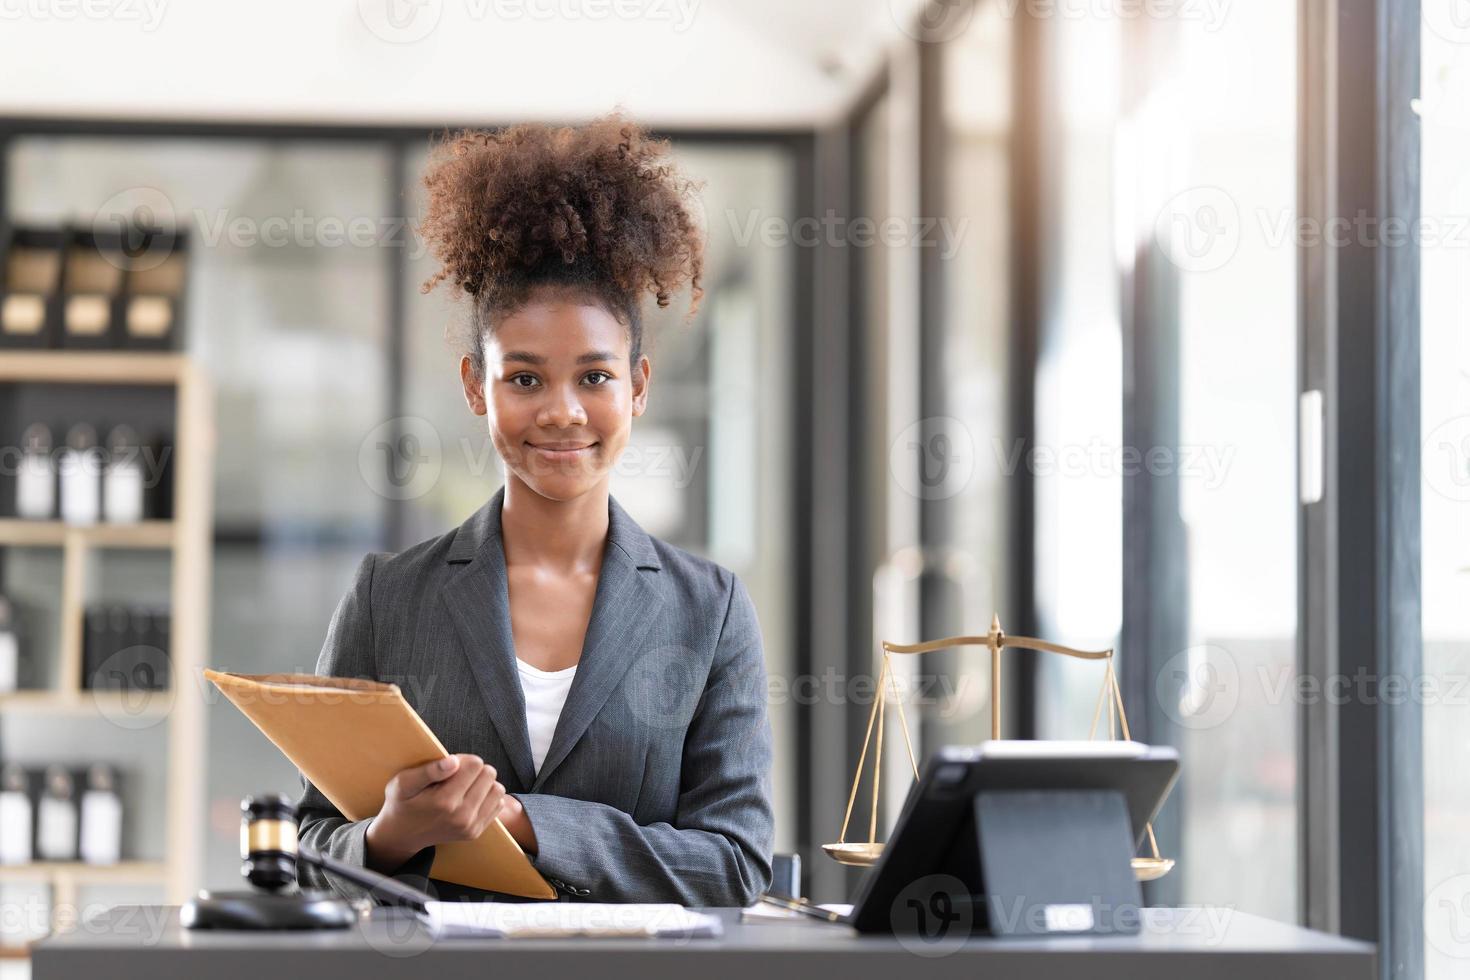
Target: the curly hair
pixel 596 209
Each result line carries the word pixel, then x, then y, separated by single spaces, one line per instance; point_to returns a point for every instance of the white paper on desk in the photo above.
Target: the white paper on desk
pixel 453 920
pixel 764 912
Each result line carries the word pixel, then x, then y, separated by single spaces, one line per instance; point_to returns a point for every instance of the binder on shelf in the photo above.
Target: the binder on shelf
pixel 350 737
pixel 159 493
pixel 30 287
pixel 17 816
pixel 35 478
pixel 151 307
pixel 96 644
pixel 91 282
pixel 56 816
pixel 124 483
pixel 80 469
pixel 125 648
pixel 99 837
pixel 157 661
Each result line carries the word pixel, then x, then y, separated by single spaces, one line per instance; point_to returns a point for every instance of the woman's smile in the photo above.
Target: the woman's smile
pixel 559 451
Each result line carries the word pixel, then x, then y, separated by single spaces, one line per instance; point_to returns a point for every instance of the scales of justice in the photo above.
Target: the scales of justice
pixel 1109 699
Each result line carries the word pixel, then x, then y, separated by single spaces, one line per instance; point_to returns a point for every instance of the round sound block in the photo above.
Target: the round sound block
pixel 262 910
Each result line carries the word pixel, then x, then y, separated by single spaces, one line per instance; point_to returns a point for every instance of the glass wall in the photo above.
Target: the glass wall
pixel 1445 427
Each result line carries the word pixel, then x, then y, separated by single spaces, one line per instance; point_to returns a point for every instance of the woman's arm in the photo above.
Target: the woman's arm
pixel 717 851
pixel 347 652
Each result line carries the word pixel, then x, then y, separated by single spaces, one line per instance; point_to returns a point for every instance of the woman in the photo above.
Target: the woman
pixel 601 693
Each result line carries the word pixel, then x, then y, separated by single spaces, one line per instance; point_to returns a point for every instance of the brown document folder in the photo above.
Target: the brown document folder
pixel 350 737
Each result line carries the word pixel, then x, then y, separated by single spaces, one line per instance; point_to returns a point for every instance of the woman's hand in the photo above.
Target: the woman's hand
pixel 449 799
pixel 513 816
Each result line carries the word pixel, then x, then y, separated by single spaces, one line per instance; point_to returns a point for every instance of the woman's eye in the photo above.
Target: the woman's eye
pixel 602 377
pixel 523 380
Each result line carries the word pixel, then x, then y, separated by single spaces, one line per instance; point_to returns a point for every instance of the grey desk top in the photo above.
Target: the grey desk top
pixel 1194 944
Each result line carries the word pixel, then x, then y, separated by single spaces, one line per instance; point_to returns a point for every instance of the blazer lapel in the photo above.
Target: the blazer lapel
pixel 479 605
pixel 624 609
pixel 626 605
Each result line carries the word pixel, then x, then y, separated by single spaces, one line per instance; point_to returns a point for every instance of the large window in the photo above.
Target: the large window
pixel 1165 453
pixel 1079 379
pixel 1445 501
pixel 1229 189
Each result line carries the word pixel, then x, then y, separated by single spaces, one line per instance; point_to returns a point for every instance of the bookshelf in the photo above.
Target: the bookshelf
pixel 186 539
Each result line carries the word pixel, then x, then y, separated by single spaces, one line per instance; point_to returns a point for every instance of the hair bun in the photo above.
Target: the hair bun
pixel 597 206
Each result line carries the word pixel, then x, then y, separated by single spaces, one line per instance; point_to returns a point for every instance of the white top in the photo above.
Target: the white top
pixel 546 692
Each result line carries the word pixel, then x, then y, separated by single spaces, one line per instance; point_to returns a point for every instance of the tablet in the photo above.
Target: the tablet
pixel 935 832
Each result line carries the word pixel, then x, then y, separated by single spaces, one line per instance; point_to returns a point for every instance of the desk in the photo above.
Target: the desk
pixel 141 941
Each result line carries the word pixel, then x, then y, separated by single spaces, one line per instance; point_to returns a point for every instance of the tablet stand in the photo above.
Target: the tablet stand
pixel 1031 863
pixel 1057 861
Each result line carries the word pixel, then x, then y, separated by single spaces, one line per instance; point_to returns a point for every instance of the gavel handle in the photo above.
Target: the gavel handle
pixel 379 886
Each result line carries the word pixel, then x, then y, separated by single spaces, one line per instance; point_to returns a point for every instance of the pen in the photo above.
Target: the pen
pixel 803 906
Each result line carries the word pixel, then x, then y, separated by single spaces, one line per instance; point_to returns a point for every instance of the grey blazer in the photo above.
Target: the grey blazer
pixel 656 786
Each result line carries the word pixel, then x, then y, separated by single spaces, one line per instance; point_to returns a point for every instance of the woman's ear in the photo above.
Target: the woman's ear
pixel 641 374
pixel 474 388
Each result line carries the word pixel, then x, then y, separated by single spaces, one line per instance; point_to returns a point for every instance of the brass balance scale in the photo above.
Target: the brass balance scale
pixel 1110 698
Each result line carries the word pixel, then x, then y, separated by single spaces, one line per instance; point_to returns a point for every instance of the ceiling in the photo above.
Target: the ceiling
pixel 711 64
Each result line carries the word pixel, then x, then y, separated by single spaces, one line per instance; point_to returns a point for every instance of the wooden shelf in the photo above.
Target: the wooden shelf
pixel 93 367
pixel 80 874
pixel 106 704
pixel 186 540
pixel 54 534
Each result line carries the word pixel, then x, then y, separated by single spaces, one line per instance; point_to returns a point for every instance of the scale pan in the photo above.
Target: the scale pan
pixel 1151 869
pixel 857 855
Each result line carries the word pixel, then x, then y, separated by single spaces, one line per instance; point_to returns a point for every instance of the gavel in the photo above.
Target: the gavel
pixel 270 855
pixel 268 844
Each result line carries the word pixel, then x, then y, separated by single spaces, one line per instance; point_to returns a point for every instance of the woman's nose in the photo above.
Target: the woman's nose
pixel 562 409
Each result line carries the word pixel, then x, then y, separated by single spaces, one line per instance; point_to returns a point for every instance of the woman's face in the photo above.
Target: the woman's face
pixel 559 394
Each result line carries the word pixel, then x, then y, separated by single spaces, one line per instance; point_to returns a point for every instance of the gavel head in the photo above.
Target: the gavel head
pixel 268 841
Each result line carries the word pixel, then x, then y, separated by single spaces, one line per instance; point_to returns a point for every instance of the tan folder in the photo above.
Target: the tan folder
pixel 350 737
